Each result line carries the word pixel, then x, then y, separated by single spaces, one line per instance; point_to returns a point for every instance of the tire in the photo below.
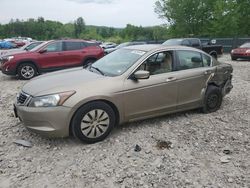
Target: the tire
pixel 88 62
pixel 212 100
pixel 26 71
pixel 93 122
pixel 233 58
pixel 214 55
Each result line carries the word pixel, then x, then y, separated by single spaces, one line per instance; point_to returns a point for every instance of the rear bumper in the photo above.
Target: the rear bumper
pixel 227 86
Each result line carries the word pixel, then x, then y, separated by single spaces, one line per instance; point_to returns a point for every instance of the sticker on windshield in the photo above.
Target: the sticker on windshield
pixel 138 52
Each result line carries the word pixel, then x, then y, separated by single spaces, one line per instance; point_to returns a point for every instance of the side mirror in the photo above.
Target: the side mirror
pixel 141 74
pixel 196 59
pixel 42 51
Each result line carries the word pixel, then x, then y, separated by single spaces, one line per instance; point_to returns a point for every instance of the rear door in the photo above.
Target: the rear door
pixel 193 73
pixel 155 95
pixel 73 53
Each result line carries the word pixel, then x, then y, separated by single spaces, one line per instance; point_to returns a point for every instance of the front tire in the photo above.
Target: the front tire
pixel 26 71
pixel 212 100
pixel 93 122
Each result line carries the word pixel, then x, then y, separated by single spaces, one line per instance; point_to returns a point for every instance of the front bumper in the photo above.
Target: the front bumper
pixel 48 122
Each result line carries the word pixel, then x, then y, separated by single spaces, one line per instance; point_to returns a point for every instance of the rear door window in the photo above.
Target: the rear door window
pixel 188 60
pixel 69 46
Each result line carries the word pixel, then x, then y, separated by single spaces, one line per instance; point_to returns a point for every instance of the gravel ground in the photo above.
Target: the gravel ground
pixel 187 149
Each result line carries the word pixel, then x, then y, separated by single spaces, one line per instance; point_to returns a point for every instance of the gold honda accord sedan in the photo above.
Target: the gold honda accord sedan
pixel 132 83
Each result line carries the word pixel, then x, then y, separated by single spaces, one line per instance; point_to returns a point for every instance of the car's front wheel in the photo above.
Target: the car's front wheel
pixel 26 71
pixel 93 122
pixel 212 100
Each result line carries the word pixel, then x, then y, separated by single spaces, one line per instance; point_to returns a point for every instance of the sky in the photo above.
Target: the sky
pixel 112 13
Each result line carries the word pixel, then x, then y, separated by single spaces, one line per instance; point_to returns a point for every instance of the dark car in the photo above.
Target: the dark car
pixel 211 49
pixel 122 45
pixel 242 52
pixel 51 56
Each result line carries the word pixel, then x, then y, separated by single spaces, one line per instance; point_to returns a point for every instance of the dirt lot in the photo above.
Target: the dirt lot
pixel 207 150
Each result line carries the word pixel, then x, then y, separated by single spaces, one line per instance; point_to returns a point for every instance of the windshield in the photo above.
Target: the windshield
pixel 118 61
pixel 32 45
pixel 246 45
pixel 173 42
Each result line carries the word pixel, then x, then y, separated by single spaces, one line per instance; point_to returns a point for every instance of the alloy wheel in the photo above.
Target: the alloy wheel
pixel 27 72
pixel 95 123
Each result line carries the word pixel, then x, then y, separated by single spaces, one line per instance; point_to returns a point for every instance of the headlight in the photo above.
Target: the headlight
pixel 8 58
pixel 51 100
pixel 232 51
pixel 248 51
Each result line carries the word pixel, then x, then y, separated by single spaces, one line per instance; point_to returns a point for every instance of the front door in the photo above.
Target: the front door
pixel 153 96
pixel 52 57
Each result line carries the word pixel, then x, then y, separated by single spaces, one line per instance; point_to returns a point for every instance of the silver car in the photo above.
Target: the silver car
pixel 130 84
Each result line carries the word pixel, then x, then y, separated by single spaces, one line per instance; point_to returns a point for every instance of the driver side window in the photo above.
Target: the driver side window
pixel 158 63
pixel 54 47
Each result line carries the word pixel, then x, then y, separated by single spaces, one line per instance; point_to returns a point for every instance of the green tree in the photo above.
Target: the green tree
pixel 79 26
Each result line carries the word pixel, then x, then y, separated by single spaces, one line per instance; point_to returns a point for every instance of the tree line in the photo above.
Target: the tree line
pixel 42 29
pixel 185 18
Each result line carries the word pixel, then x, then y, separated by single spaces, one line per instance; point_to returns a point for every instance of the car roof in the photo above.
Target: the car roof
pixel 155 47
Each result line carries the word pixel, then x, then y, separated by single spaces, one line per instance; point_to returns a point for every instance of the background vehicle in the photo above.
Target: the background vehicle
pixel 242 52
pixel 213 50
pixel 109 50
pixel 7 45
pixel 51 56
pixel 132 83
pixel 26 47
pixel 107 45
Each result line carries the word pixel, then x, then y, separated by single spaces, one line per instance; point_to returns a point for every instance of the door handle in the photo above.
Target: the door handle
pixel 170 79
pixel 207 72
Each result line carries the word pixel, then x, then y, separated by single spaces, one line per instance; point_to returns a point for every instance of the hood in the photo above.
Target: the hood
pixel 243 50
pixel 60 81
pixel 11 52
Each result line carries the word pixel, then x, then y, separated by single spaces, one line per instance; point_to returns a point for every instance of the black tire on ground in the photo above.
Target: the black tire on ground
pixel 26 71
pixel 88 62
pixel 93 122
pixel 214 55
pixel 233 58
pixel 212 100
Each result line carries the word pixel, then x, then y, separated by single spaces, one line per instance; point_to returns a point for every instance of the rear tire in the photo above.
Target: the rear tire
pixel 233 58
pixel 93 122
pixel 88 62
pixel 212 100
pixel 26 71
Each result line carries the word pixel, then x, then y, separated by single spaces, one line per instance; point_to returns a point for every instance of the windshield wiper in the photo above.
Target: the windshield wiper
pixel 97 70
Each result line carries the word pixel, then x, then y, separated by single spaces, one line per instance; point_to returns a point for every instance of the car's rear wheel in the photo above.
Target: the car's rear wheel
pixel 88 62
pixel 93 122
pixel 212 100
pixel 26 71
pixel 233 58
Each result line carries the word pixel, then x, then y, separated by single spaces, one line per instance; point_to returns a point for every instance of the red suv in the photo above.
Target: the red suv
pixel 50 56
